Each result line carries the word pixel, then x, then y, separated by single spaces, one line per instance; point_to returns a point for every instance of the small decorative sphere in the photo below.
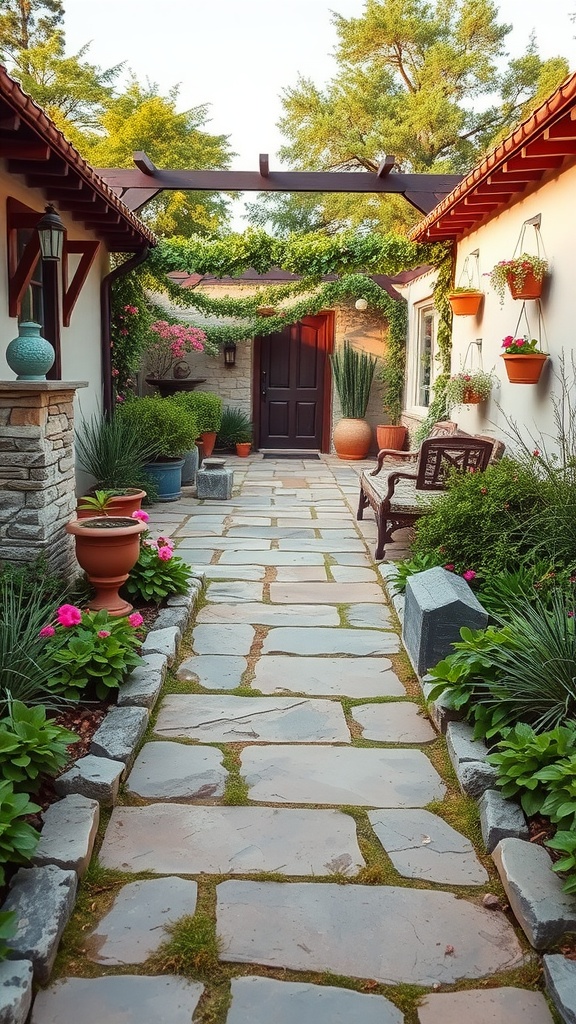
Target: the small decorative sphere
pixel 361 304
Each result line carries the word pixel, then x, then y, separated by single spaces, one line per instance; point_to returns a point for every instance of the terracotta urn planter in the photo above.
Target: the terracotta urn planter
pixel 531 287
pixel 352 439
pixel 524 369
pixel 119 505
pixel 243 449
pixel 389 436
pixel 107 548
pixel 208 442
pixel 465 303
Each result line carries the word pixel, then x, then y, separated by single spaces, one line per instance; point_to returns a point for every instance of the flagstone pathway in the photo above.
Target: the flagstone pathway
pixel 283 791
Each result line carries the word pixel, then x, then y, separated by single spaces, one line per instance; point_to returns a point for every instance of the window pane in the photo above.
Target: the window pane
pixel 425 347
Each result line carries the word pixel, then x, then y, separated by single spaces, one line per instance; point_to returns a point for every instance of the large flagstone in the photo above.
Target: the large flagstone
pixel 495 1006
pixel 360 642
pixel 301 574
pixel 253 573
pixel 314 544
pixel 267 1001
pixel 177 771
pixel 270 615
pixel 347 677
pixel 217 718
pixel 213 671
pixel 117 999
pixel 393 723
pixel 234 639
pixel 271 558
pixel 224 543
pixel 367 777
pixel 175 838
pixel 422 845
pixel 135 925
pixel 325 593
pixel 233 591
pixel 382 932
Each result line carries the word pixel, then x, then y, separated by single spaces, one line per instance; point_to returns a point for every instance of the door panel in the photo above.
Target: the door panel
pixel 292 385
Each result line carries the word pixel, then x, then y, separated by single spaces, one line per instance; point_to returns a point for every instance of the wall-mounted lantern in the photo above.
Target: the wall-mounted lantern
pixel 230 354
pixel 51 233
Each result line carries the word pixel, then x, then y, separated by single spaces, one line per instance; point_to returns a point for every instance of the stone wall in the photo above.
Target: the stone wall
pixel 37 484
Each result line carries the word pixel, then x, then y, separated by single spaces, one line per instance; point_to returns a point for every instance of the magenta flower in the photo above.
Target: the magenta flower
pixel 47 631
pixel 102 633
pixel 69 615
pixel 536 453
pixel 165 553
pixel 141 515
pixel 135 620
pixel 449 567
pixel 469 575
pixel 165 542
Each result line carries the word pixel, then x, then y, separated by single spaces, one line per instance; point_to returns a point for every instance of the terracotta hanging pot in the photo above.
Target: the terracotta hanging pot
pixel 243 449
pixel 524 369
pixel 352 439
pixel 107 548
pixel 119 505
pixel 471 397
pixel 531 287
pixel 389 436
pixel 465 303
pixel 208 442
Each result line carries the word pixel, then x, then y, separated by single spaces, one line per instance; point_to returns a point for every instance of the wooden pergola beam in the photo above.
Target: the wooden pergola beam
pixel 386 166
pixel 264 164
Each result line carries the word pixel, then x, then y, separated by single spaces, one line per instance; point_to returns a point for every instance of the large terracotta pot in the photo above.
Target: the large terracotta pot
pixel 389 436
pixel 465 303
pixel 119 505
pixel 352 439
pixel 524 369
pixel 208 442
pixel 531 287
pixel 107 548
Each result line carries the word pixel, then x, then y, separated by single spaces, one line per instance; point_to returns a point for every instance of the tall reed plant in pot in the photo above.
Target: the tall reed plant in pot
pixel 353 373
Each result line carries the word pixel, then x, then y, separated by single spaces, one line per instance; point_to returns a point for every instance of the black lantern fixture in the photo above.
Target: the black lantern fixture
pixel 230 354
pixel 51 232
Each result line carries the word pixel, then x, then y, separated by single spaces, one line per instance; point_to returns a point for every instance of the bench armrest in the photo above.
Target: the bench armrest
pixel 392 481
pixel 398 456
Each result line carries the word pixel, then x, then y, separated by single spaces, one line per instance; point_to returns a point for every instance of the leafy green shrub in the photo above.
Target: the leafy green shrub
pixel 8 925
pixel 168 425
pixel 90 650
pixel 531 583
pixel 205 406
pixel 114 450
pixel 31 745
pixel 418 563
pixel 481 521
pixel 235 428
pixel 18 839
pixel 158 571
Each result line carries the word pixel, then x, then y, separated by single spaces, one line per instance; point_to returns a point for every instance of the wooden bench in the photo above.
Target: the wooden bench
pixel 396 495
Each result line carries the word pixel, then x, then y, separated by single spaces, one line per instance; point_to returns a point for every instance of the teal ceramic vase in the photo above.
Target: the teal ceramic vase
pixel 29 355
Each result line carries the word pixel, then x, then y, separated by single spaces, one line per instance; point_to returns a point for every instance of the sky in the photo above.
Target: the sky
pixel 238 55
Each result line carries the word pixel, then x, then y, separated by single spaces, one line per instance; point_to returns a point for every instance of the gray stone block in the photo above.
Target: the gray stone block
pixel 500 819
pixel 143 685
pixel 95 777
pixel 172 617
pixel 560 975
pixel 438 604
pixel 120 734
pixel 544 912
pixel 461 745
pixel 475 777
pixel 214 482
pixel 162 641
pixel 43 899
pixel 68 833
pixel 15 991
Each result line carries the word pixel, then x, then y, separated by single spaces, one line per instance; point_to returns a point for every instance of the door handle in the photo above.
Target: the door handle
pixel 263 384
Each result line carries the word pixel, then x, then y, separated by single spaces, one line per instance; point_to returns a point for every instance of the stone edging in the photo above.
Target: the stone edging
pixel 543 910
pixel 43 896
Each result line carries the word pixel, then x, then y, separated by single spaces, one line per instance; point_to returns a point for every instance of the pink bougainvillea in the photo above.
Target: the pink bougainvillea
pixel 172 342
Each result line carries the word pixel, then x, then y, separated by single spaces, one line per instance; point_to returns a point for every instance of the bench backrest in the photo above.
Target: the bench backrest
pixel 439 455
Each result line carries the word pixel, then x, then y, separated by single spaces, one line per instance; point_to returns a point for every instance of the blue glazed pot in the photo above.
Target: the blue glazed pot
pixel 190 468
pixel 29 355
pixel 168 478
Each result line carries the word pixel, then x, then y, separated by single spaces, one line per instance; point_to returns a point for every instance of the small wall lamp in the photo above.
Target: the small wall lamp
pixel 230 354
pixel 51 233
pixel 361 304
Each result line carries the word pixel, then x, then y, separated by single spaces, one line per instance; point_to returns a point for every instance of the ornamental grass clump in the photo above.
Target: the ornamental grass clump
pixel 113 450
pixel 353 374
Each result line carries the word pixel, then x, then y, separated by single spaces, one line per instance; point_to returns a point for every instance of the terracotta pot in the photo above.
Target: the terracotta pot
pixel 471 397
pixel 208 442
pixel 352 439
pixel 524 369
pixel 243 449
pixel 465 303
pixel 388 436
pixel 531 287
pixel 107 548
pixel 119 505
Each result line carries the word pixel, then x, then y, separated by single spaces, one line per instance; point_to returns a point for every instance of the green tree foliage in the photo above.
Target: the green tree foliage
pixel 409 73
pixel 26 23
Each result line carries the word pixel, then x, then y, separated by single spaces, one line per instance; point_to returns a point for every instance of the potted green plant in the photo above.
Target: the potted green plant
pixel 171 428
pixel 207 408
pixel 468 387
pixel 465 301
pixel 353 374
pixel 113 451
pixel 523 275
pixel 523 361
pixel 235 431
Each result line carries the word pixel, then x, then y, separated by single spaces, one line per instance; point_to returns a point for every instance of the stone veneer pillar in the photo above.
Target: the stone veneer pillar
pixel 37 481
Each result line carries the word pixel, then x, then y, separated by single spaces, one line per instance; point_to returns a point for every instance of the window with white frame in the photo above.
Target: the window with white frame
pixel 425 352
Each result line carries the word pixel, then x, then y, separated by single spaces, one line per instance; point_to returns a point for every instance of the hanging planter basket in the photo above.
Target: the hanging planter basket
pixel 530 288
pixel 471 397
pixel 524 369
pixel 465 303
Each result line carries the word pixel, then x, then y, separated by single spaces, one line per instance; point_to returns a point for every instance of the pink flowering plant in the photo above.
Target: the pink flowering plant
pixel 158 571
pixel 519 346
pixel 169 343
pixel 515 270
pixel 90 651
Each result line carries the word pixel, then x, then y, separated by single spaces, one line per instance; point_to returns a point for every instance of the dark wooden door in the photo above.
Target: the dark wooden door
pixel 293 372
